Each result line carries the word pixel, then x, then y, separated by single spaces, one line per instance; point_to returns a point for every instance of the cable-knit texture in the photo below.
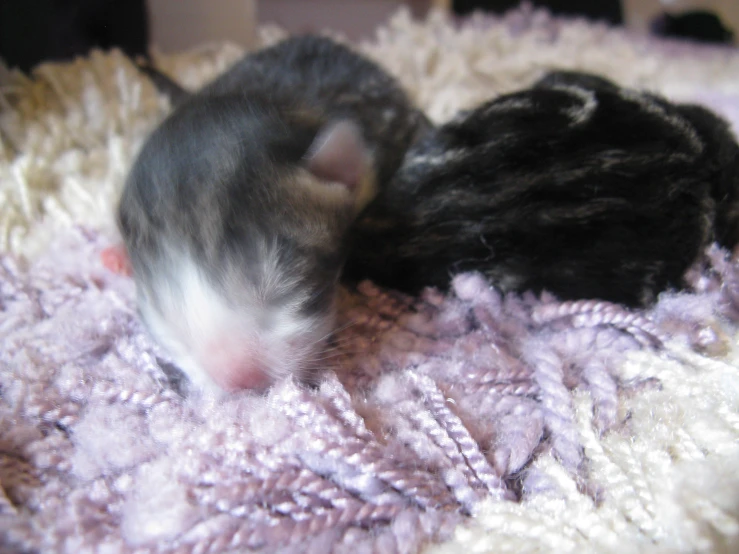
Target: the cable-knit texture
pixel 459 423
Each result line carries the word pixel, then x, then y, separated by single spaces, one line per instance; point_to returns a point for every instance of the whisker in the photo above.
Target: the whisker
pixel 326 354
pixel 326 358
pixel 323 338
pixel 346 325
pixel 340 339
pixel 332 333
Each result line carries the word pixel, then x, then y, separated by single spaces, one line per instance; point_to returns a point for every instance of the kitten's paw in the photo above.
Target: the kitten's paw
pixel 115 258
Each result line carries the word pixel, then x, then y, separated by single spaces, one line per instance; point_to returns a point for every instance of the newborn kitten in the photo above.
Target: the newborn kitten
pixel 575 186
pixel 236 211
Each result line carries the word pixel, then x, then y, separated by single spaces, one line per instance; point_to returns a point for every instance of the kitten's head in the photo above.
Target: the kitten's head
pixel 234 217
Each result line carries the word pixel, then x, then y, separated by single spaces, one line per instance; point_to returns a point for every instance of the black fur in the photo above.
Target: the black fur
pixel 575 186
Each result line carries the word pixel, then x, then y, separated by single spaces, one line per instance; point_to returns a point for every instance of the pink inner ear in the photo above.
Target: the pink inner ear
pixel 338 154
pixel 115 258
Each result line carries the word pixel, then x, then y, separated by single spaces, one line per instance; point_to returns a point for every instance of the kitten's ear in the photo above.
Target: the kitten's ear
pixel 339 154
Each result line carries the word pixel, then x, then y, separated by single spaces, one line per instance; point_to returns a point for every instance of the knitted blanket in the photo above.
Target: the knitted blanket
pixel 467 422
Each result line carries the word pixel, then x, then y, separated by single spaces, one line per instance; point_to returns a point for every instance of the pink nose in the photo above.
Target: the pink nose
pixel 235 364
pixel 234 371
pixel 249 375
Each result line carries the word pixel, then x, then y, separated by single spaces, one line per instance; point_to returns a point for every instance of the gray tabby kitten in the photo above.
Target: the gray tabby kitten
pixel 236 211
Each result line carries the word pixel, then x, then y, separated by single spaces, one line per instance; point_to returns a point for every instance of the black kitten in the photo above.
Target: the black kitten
pixel 575 186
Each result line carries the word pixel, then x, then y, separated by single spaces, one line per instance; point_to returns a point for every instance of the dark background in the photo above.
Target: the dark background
pixel 604 10
pixel 32 31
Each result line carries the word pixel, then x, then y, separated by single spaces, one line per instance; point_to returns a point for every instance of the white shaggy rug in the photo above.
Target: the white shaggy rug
pixel 638 452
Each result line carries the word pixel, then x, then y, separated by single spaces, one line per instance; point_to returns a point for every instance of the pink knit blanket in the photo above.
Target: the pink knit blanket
pixel 427 406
